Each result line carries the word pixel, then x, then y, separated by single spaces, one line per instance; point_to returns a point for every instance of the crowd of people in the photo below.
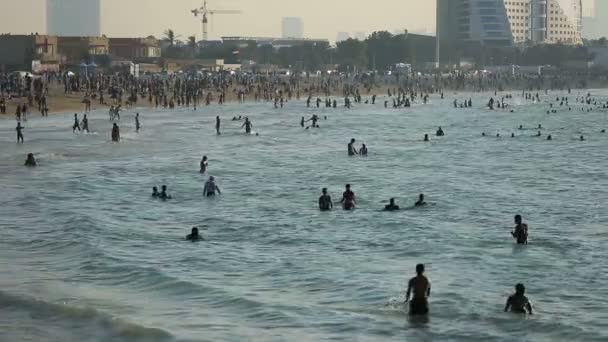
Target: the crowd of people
pixel 191 91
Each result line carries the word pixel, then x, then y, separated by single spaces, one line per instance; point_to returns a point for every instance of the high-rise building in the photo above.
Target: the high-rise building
pixel 73 17
pixel 292 27
pixel 465 23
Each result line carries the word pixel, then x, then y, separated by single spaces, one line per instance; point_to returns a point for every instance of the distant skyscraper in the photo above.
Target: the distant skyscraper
pixel 342 36
pixel 73 17
pixel 292 27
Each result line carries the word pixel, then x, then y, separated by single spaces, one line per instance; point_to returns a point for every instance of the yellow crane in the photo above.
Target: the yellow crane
pixel 206 13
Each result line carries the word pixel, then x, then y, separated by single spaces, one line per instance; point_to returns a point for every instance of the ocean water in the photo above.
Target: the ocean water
pixel 87 255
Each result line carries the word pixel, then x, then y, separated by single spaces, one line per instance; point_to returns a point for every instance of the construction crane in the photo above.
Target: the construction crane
pixel 205 12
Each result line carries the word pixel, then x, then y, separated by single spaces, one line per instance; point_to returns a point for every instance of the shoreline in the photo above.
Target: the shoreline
pixel 59 103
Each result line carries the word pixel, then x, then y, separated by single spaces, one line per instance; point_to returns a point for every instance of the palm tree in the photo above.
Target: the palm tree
pixel 170 37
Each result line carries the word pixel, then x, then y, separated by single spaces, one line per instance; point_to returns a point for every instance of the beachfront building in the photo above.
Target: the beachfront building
pixel 139 50
pixel 28 52
pixel 467 24
pixel 73 18
pixel 292 27
pixel 74 50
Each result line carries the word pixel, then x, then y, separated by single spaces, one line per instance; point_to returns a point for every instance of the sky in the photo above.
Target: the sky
pixel 322 18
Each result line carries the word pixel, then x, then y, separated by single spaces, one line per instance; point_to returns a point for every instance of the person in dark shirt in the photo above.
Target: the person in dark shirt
pixel 421 288
pixel 420 201
pixel 194 235
pixel 155 192
pixel 520 233
pixel 518 302
pixel 163 193
pixel 391 206
pixel 325 202
pixel 30 161
pixel 351 148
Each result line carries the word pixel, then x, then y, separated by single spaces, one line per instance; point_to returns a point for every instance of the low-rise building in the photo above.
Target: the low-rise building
pixel 25 51
pixel 74 50
pixel 135 49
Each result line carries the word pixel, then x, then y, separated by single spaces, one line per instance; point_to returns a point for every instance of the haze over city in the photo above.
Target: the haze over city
pixel 322 19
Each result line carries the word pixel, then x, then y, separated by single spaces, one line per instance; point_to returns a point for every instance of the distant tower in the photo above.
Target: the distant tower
pixel 292 27
pixel 73 17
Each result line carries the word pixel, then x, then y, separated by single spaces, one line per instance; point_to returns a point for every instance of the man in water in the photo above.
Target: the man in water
pixel 391 206
pixel 137 126
pixel 518 302
pixel 115 133
pixel 420 202
pixel 248 125
pixel 426 137
pixel 363 150
pixel 440 132
pixel 217 125
pixel 204 163
pixel 85 124
pixel 163 193
pixel 348 199
pixel 210 187
pixel 520 233
pixel 19 133
pixel 351 148
pixel 194 235
pixel 325 202
pixel 421 287
pixel 30 161
pixel 76 124
pixel 155 193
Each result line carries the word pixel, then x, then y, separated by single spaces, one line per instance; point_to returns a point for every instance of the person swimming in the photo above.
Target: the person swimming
pixel 391 206
pixel 204 164
pixel 30 161
pixel 426 137
pixel 439 132
pixel 351 148
pixel 325 202
pixel 194 235
pixel 155 192
pixel 163 193
pixel 582 138
pixel 211 188
pixel 421 288
pixel 363 150
pixel 518 302
pixel 549 137
pixel 420 202
pixel 520 233
pixel 348 199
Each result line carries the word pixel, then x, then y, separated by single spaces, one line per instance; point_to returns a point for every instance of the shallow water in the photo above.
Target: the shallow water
pixel 87 255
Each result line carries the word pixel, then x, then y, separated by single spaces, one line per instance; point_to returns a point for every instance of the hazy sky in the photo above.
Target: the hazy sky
pixel 322 18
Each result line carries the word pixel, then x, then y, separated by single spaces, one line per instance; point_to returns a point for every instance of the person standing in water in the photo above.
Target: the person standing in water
pixel 248 125
pixel 19 133
pixel 421 288
pixel 348 199
pixel 194 235
pixel 325 202
pixel 85 124
pixel 520 233
pixel 391 206
pixel 351 148
pixel 76 124
pixel 204 164
pixel 210 187
pixel 217 125
pixel 137 126
pixel 363 150
pixel 420 202
pixel 115 133
pixel 518 302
